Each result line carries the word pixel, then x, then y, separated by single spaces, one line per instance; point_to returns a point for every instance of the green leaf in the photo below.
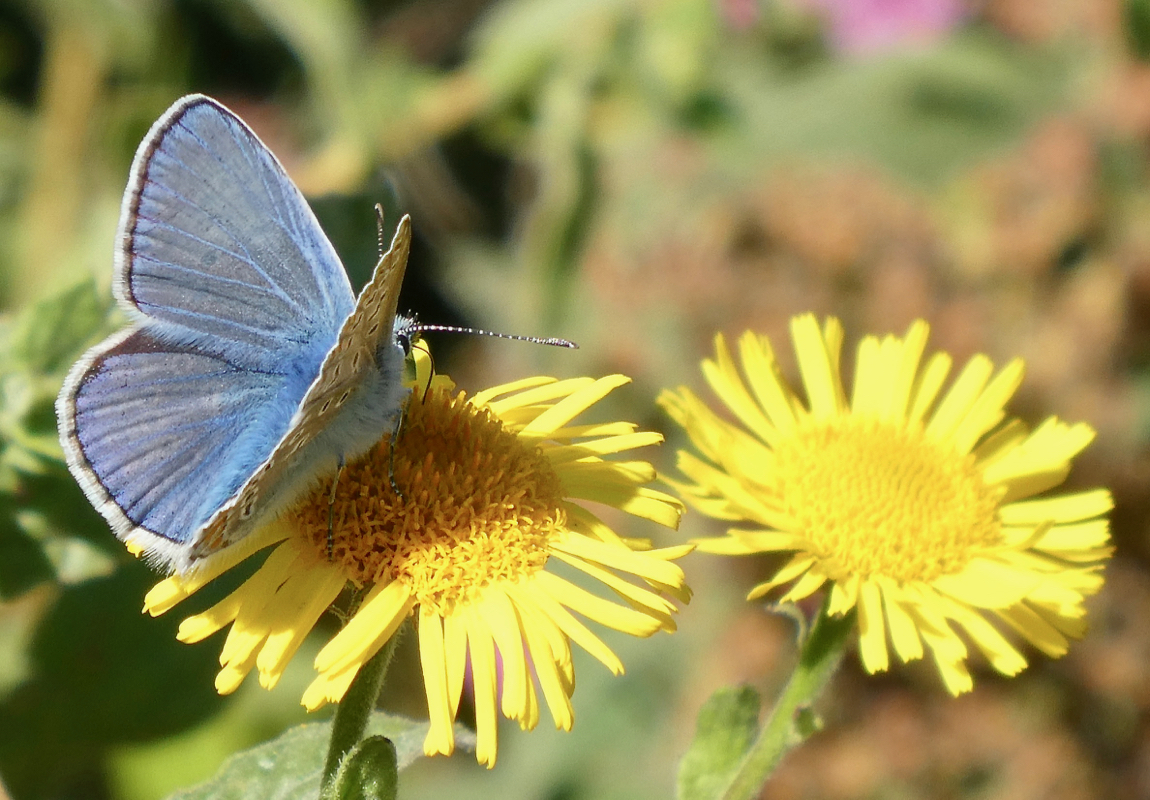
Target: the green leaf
pixel 49 335
pixel 369 772
pixel 518 41
pixel 676 45
pixel 923 114
pixel 49 530
pixel 101 673
pixel 291 765
pixel 1137 19
pixel 724 732
pixel 23 563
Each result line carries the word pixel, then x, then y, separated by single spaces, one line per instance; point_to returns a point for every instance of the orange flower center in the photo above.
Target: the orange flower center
pixel 477 506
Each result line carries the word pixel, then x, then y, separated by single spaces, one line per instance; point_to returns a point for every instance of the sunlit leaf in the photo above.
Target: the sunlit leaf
pixel 724 731
pixel 291 765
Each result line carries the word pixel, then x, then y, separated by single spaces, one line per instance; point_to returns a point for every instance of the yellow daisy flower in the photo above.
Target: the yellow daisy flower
pixel 489 488
pixel 919 509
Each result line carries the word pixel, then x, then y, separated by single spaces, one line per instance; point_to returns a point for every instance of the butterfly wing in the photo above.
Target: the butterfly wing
pixel 217 246
pixel 157 435
pixel 238 297
pixel 352 403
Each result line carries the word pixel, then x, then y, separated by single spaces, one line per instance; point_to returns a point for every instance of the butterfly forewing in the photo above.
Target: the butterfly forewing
pixel 218 246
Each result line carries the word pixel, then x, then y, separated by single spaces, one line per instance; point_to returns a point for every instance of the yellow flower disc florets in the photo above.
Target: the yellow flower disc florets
pixel 876 498
pixel 477 506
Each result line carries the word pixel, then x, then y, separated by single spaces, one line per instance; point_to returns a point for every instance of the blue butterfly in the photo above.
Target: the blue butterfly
pixel 250 368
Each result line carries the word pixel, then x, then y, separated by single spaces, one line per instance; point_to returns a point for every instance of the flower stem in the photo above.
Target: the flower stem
pixel 354 711
pixel 822 650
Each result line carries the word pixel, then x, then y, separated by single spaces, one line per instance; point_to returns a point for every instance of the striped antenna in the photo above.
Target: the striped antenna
pixel 419 327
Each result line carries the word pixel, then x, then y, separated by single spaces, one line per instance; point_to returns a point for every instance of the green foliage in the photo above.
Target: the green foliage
pixel 46 337
pixel 102 674
pixel 46 524
pixel 923 115
pixel 724 731
pixel 291 765
pixel 1137 18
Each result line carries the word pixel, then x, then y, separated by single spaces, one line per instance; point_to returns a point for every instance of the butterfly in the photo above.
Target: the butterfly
pixel 250 368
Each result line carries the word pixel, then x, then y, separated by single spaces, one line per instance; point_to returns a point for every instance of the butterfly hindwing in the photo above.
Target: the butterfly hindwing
pixel 164 434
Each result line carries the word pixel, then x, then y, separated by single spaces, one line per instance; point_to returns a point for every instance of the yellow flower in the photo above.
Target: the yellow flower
pixel 488 487
pixel 920 510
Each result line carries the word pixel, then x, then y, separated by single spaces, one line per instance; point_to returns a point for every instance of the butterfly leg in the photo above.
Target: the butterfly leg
pixel 399 420
pixel 331 510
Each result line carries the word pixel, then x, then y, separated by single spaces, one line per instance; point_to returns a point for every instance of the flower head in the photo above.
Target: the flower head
pixel 488 488
pixel 920 510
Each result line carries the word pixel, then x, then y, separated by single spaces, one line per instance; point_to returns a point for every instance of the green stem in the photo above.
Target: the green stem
pixel 820 656
pixel 354 711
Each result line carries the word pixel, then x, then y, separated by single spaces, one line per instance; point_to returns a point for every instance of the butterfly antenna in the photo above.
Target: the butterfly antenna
pixel 379 227
pixel 421 328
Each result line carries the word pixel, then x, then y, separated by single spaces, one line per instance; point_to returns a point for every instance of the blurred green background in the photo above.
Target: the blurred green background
pixel 635 175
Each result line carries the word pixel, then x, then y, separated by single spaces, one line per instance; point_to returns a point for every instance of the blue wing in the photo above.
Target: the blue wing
pixel 238 297
pixel 164 433
pixel 217 246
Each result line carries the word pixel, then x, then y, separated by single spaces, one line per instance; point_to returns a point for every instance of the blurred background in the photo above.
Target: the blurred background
pixel 635 175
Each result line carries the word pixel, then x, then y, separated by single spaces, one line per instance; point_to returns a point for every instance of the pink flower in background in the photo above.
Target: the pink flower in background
pixel 867 27
pixel 741 14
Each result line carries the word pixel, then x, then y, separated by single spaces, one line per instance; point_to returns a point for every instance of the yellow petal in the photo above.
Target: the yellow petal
pixel 872 632
pixel 379 616
pixel 440 737
pixel 544 393
pixel 603 446
pixel 640 564
pixel 766 382
pixel 799 564
pixel 483 672
pixel 1064 508
pixel 486 396
pixel 573 405
pixel 1002 655
pixel 928 385
pixel 724 379
pixel 602 611
pixel 551 680
pixel 823 385
pixel 499 615
pixel 903 633
pixel 988 583
pixel 961 397
pixel 455 657
pixel 909 357
pixel 296 614
pixel 647 601
pixel 528 593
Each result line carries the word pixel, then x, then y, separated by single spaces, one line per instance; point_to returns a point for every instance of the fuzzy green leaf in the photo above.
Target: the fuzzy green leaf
pixel 724 731
pixel 291 765
pixel 49 335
